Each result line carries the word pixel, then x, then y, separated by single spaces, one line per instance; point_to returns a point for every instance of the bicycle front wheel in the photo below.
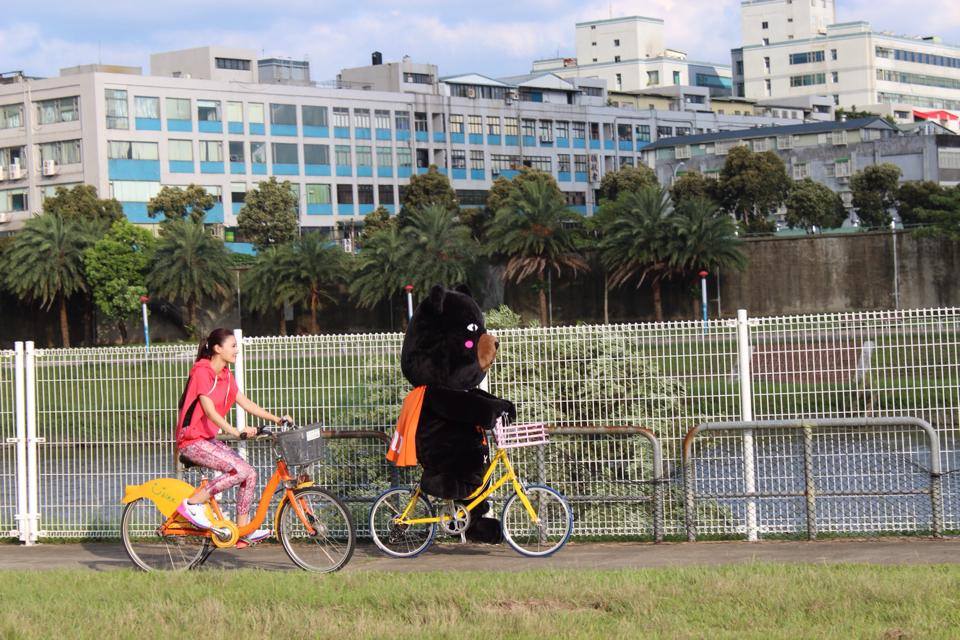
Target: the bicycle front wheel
pixel 334 537
pixel 149 550
pixel 548 533
pixel 401 540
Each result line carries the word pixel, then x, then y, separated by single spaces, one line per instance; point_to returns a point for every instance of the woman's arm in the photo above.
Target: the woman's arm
pixel 253 408
pixel 211 412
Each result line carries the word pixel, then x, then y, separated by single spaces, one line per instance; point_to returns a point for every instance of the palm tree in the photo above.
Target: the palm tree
pixel 45 263
pixel 442 249
pixel 310 269
pixel 262 285
pixel 189 266
pixel 380 267
pixel 638 240
pixel 533 231
pixel 705 239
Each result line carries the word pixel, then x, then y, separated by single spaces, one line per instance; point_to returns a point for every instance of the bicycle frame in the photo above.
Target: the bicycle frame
pixel 480 494
pixel 176 526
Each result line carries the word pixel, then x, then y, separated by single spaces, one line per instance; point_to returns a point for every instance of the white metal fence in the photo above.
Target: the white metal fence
pixel 96 419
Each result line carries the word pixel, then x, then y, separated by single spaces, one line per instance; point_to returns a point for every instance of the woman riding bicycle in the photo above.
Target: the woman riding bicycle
pixel 213 387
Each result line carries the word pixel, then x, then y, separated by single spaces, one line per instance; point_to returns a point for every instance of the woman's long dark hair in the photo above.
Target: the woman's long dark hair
pixel 216 337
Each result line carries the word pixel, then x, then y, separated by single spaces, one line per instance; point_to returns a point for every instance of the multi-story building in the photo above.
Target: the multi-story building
pixel 208 121
pixel 828 152
pixel 630 55
pixel 687 98
pixel 796 49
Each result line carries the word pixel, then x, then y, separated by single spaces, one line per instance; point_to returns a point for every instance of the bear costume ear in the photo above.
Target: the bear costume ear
pixel 437 295
pixel 464 289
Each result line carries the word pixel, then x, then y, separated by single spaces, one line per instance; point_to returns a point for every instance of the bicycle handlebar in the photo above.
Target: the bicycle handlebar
pixel 262 428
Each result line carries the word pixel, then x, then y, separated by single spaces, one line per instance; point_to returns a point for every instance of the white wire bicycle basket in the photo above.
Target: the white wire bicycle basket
pixel 512 436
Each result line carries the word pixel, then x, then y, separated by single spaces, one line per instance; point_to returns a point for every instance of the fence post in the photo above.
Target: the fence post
pixel 30 402
pixel 746 414
pixel 20 415
pixel 809 489
pixel 238 372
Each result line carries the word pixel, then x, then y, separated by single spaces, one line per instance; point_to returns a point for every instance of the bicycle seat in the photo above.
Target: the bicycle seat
pixel 187 462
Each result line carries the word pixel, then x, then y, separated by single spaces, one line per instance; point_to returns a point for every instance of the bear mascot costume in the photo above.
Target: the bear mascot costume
pixel 446 353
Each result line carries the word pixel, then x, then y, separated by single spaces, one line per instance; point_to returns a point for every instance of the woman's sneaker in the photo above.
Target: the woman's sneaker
pixel 256 536
pixel 195 514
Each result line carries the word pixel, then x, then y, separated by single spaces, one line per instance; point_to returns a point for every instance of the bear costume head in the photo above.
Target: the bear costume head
pixel 447 344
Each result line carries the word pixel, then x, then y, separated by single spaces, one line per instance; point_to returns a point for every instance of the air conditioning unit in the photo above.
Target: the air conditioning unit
pixel 471 92
pixel 4 217
pixel 15 172
pixel 50 168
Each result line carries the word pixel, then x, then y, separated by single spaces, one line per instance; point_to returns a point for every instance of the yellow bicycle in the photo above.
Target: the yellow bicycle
pixel 536 520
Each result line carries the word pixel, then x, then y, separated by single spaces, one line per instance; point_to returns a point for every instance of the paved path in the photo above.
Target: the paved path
pixel 449 557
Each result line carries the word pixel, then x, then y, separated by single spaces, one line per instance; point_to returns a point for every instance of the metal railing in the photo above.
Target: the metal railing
pixel 790 467
pixel 88 421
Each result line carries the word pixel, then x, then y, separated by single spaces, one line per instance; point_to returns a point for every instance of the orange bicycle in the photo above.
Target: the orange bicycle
pixel 314 527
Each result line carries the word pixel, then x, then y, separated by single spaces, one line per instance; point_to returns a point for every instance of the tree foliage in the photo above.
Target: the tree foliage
pixel 914 197
pixel 311 270
pixel 811 204
pixel 753 186
pixel 380 267
pixel 943 214
pixel 269 214
pixel 691 185
pixel 440 249
pixel 874 191
pixel 627 178
pixel 430 188
pixel 176 203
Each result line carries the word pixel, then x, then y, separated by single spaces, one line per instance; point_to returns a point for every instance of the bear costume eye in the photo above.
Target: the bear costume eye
pixel 471 327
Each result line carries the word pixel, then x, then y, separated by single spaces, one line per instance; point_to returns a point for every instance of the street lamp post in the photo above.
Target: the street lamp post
pixel 146 322
pixel 703 298
pixel 409 290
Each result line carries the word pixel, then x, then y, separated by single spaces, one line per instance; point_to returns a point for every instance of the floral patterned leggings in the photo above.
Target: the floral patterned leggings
pixel 235 470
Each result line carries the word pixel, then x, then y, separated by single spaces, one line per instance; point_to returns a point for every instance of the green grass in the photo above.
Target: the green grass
pixel 746 601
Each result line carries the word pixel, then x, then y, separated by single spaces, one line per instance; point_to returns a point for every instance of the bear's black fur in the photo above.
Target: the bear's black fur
pixel 440 350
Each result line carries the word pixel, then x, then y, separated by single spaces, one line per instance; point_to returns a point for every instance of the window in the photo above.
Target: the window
pixel 594 130
pixel 808 79
pixel 767 87
pixel 841 168
pixel 418 78
pixel 664 132
pixel 806 57
pixel 540 163
pixel 766 41
pixel 341 117
pixel 365 193
pixel 133 191
pixel 764 24
pixel 546 130
pixel 784 142
pixel 800 171
pixel 182 150
pixel 361 118
pixel 760 144
pixel 258 152
pixel 458 159
pixel 456 123
pixel 563 164
pixel 616 59
pixel 653 78
pixel 11 116
pixel 146 107
pixel 208 110
pixel 420 121
pixel 643 132
pixel 616 42
pixel 233 64
pixel 475 125
pixel 404 157
pixel 918 79
pixel 342 155
pixel 313 116
pixel 63 152
pixel 255 112
pixel 316 154
pixel 211 151
pixel 238 192
pixel 403 121
pixel 948 158
pixel 235 148
pixel 234 111
pixel 833 54
pixel 384 157
pixel 345 193
pixel 579 130
pixel 834 76
pixel 493 125
pixel 676 77
pixel 476 160
pixel 318 194
pixel 529 127
pixel 178 108
pixel 283 114
pixel 500 163
pixel 364 156
pixel 683 131
pixel 766 64
pixel 511 126
pixel 132 150
pixel 381 119
pixel 117 109
pixel 285 153
pixel 563 129
pixel 423 158
pixel 385 193
pixel 580 164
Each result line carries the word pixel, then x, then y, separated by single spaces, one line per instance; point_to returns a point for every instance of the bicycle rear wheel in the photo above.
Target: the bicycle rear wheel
pixel 334 537
pixel 552 529
pixel 150 551
pixel 401 541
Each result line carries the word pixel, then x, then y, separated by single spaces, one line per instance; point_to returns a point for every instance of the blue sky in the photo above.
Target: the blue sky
pixel 495 37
